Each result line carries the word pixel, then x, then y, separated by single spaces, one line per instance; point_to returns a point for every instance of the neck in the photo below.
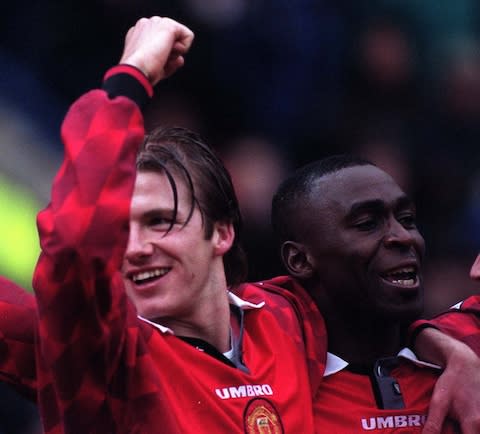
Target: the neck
pixel 362 341
pixel 210 321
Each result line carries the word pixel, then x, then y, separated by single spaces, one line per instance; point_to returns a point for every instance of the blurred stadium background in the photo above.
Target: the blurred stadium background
pixel 272 84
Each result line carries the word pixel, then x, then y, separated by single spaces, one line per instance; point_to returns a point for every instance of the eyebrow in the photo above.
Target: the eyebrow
pixel 378 205
pixel 157 211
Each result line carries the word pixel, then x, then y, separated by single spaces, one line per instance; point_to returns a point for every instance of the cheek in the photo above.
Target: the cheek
pixel 128 289
pixel 195 259
pixel 421 246
pixel 364 263
pixel 362 254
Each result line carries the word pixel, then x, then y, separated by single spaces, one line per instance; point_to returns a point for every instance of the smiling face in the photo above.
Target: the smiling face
pixel 171 269
pixel 362 245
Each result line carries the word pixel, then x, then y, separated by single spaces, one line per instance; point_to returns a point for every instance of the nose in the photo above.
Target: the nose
pixel 475 270
pixel 138 247
pixel 398 235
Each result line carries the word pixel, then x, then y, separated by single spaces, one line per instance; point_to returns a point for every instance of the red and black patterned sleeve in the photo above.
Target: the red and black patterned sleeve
pixel 17 352
pixel 462 321
pixel 84 314
pixel 314 332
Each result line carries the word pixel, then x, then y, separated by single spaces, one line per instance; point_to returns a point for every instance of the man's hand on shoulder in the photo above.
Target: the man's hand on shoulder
pixel 457 391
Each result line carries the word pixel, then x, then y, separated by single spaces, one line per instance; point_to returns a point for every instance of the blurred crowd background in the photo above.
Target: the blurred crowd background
pixel 272 84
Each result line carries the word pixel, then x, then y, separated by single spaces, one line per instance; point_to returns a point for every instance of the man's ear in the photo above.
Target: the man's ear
pixel 222 237
pixel 296 259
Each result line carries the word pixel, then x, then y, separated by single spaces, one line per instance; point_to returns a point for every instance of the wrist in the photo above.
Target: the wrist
pixel 135 72
pixel 436 347
pixel 128 81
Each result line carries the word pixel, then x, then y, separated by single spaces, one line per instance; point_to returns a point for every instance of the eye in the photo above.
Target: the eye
pixel 160 223
pixel 366 223
pixel 408 220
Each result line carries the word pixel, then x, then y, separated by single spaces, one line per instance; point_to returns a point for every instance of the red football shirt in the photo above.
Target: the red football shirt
pixel 17 335
pixel 346 402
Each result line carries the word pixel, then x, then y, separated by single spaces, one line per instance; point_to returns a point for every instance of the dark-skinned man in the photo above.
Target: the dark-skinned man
pixel 349 236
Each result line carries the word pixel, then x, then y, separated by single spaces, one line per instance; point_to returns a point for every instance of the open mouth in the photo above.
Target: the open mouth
pixel 405 276
pixel 144 277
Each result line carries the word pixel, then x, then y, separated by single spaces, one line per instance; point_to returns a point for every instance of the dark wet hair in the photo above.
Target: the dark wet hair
pixel 178 151
pixel 294 192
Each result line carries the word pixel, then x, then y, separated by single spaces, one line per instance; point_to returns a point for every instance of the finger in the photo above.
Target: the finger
pixel 472 427
pixel 180 47
pixel 173 64
pixel 129 35
pixel 183 34
pixel 433 425
pixel 187 37
pixel 437 413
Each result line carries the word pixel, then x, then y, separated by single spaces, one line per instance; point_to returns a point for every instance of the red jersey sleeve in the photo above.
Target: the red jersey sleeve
pixel 84 315
pixel 314 334
pixel 17 323
pixel 462 321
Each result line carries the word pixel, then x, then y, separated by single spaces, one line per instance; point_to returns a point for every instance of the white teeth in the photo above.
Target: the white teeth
pixel 407 282
pixel 406 276
pixel 149 274
pixel 404 270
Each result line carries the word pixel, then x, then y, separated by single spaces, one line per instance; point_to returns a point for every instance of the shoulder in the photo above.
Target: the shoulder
pixel 470 304
pixel 285 297
pixel 275 293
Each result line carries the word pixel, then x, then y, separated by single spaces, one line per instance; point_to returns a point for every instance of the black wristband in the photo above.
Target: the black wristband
pixel 124 84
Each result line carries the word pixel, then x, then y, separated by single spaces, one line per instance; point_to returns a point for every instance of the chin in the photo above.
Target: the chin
pixel 403 313
pixel 144 309
pixel 407 316
pixel 148 313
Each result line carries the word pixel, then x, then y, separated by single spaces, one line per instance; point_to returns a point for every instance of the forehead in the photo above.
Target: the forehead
pixel 354 185
pixel 152 188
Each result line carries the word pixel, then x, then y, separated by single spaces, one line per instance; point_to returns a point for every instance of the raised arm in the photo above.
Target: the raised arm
pixel 88 331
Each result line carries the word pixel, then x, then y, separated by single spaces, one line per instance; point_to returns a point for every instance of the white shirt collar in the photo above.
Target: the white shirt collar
pixel 163 329
pixel 232 299
pixel 243 304
pixel 336 364
pixel 457 306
